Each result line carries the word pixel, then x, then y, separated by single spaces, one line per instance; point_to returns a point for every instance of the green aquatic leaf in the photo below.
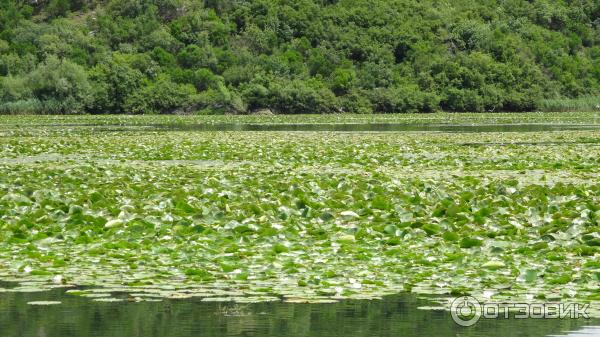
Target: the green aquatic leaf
pixel 349 215
pixel 228 268
pixel 108 299
pixel 593 242
pixel 450 236
pixel 196 272
pixel 562 279
pixel 380 202
pixel 16 199
pixel 311 300
pixel 391 229
pixel 431 229
pixel 531 275
pixel 326 216
pixel 114 223
pixel 280 248
pixel 347 238
pixel 44 302
pixel 469 242
pixel 493 265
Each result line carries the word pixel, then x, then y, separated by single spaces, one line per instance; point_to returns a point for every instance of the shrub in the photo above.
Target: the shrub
pixel 160 97
pixel 14 88
pixel 302 97
pixel 356 102
pixel 113 81
pixel 256 95
pixel 221 100
pixel 403 99
pixel 342 80
pixel 61 84
pixel 465 100
pixel 27 106
pixel 193 56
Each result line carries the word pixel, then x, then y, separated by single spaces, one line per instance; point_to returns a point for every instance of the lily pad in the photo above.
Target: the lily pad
pixel 44 302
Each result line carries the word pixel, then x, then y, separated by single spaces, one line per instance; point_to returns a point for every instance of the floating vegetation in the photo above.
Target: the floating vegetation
pixel 434 308
pixel 44 302
pixel 99 123
pixel 301 217
pixel 96 295
pixel 310 300
pixel 146 299
pixel 28 289
pixel 108 299
pixel 242 299
pixel 218 299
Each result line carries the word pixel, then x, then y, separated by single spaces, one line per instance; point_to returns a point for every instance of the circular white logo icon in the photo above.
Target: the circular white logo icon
pixel 465 310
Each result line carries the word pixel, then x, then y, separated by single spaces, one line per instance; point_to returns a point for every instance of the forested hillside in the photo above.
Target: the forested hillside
pixel 295 56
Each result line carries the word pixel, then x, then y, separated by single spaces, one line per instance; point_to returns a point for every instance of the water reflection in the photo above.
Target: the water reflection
pixel 340 127
pixel 380 127
pixel 393 316
pixel 588 331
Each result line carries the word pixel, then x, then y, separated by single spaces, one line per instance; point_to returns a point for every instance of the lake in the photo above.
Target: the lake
pixel 232 225
pixel 391 316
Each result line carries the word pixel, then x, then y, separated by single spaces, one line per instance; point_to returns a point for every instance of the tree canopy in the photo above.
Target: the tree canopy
pixel 295 56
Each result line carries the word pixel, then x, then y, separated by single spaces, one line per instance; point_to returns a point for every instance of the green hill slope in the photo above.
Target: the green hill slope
pixel 301 56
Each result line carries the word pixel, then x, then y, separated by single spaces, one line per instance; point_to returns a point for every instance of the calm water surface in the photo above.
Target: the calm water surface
pixel 348 127
pixel 392 316
pixel 383 127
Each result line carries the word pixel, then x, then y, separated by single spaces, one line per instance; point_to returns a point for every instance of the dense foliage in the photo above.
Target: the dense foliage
pixel 301 56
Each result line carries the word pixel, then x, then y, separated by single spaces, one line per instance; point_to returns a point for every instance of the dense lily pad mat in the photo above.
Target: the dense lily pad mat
pixel 250 216
pixel 431 118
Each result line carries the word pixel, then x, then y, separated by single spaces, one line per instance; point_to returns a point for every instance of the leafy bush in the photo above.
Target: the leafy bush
pixel 193 56
pixel 14 88
pixel 220 100
pixel 55 87
pixel 356 102
pixel 302 97
pixel 462 100
pixel 256 95
pixel 161 96
pixel 113 81
pixel 403 99
pixel 27 106
pixel 342 80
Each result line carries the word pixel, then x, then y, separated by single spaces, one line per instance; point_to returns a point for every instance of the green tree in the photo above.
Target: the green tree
pixel 113 81
pixel 61 85
pixel 160 97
